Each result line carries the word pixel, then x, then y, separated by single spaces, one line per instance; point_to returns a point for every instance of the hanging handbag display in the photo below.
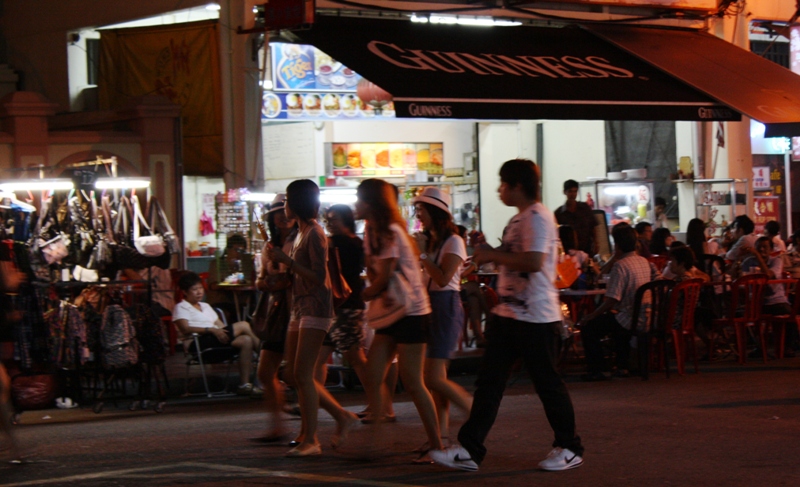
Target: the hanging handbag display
pixel 101 253
pixel 148 245
pixel 160 224
pixel 272 317
pixel 340 290
pixel 125 256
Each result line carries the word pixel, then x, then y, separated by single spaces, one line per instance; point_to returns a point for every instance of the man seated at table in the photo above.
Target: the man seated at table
pixel 192 315
pixel 614 317
pixel 774 298
pixel 644 232
pixel 742 237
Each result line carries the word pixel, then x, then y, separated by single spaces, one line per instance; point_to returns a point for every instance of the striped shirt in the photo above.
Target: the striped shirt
pixel 630 272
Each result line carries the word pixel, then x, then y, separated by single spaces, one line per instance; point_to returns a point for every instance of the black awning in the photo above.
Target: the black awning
pixel 737 78
pixel 453 71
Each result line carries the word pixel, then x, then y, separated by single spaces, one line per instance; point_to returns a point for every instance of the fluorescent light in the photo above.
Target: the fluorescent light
pixel 338 191
pixel 37 185
pixel 213 6
pixel 4 195
pixel 121 183
pixel 461 20
pixel 261 197
pixel 338 198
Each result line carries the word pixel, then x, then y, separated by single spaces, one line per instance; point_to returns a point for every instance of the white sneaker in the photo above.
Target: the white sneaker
pixel 454 457
pixel 561 459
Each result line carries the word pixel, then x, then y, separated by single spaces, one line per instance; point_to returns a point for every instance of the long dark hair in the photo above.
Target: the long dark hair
pixel 302 197
pixel 696 237
pixel 274 231
pixel 568 237
pixel 658 243
pixel 345 214
pixel 443 227
pixel 381 198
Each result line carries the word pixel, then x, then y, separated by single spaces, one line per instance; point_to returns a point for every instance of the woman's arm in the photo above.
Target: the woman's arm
pixel 442 275
pixel 186 329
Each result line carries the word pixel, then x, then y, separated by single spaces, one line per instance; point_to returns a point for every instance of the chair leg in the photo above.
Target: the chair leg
pixel 779 330
pixel 741 341
pixel 762 333
pixel 691 337
pixel 643 340
pixel 679 358
pixel 665 352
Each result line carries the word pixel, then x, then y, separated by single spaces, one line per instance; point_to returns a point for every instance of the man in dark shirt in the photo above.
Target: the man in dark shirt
pixel 579 216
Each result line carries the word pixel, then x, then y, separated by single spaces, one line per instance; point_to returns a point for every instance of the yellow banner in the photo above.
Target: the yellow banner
pixel 180 62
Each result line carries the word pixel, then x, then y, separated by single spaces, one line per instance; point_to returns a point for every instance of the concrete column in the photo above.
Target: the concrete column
pixel 24 116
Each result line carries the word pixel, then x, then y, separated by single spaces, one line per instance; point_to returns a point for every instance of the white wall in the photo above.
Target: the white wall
pixel 573 149
pixel 498 142
pixel 194 187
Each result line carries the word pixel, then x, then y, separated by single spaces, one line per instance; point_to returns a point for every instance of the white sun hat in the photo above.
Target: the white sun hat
pixel 434 196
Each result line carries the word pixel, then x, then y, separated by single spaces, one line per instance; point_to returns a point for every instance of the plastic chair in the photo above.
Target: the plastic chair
pixel 655 320
pixel 682 306
pixel 744 311
pixel 778 323
pixel 227 355
pixel 659 261
pixel 713 265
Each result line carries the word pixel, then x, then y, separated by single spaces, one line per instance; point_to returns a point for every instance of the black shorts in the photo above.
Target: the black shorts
pixel 410 329
pixel 222 351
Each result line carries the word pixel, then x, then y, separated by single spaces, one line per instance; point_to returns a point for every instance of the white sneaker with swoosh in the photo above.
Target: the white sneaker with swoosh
pixel 561 459
pixel 454 457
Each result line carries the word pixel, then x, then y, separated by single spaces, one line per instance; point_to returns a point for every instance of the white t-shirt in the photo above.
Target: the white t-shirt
pixel 196 318
pixel 533 295
pixel 408 264
pixel 453 245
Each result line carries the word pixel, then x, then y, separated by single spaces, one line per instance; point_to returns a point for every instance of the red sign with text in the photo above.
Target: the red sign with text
pixel 765 208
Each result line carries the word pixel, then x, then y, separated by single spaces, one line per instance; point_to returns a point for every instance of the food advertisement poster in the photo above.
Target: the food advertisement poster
pixel 319 107
pixel 386 159
pixel 300 67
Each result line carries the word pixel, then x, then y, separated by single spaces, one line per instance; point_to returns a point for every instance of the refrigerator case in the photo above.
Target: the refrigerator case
pixel 629 201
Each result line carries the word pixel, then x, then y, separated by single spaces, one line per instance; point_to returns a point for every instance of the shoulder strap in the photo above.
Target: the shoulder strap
pixel 138 219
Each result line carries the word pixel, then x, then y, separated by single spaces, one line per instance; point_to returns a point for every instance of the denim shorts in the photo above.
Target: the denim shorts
pixel 446 324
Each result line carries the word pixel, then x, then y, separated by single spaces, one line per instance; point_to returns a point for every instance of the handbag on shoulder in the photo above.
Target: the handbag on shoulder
pixel 340 290
pixel 393 303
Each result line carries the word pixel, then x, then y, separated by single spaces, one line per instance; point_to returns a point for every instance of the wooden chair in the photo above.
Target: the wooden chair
pixel 744 311
pixel 655 320
pixel 778 323
pixel 680 318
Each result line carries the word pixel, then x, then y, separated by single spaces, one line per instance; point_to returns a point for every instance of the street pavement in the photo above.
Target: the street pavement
pixel 730 425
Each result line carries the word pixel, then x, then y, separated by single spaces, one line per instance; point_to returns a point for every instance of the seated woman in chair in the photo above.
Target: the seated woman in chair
pixel 194 316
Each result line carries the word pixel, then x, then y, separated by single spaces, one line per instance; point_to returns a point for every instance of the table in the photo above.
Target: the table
pixel 236 289
pixel 580 299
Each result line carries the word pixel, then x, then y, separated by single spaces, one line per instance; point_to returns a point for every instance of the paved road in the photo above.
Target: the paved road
pixel 730 425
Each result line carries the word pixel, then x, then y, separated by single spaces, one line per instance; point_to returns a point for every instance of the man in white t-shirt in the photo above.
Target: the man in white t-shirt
pixel 526 325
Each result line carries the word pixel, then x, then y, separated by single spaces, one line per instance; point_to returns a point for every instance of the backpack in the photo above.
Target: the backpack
pixel 118 338
pixel 149 334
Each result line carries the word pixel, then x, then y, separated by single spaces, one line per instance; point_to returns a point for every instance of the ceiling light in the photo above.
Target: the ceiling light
pixel 37 185
pixel 460 20
pixel 121 183
pixel 213 6
pixel 260 197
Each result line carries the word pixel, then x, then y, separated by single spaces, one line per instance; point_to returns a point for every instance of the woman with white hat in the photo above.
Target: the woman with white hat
pixel 275 281
pixel 443 254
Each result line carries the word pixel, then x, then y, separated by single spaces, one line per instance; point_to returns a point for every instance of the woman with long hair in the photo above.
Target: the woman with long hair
pixel 660 242
pixel 443 254
pixel 388 248
pixel 696 237
pixel 275 281
pixel 311 315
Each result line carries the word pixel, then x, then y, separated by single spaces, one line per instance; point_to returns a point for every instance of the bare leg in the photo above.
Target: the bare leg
pixel 290 353
pixel 410 360
pixel 391 387
pixel 243 328
pixel 6 412
pixel 358 361
pixel 245 346
pixel 381 353
pixel 321 372
pixel 444 391
pixel 308 345
pixel 268 366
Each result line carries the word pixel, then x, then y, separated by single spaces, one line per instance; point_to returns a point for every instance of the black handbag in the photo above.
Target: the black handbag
pixel 125 255
pixel 272 317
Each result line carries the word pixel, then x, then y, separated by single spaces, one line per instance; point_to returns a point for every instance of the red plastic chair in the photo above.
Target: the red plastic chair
pixel 744 311
pixel 778 323
pixel 682 305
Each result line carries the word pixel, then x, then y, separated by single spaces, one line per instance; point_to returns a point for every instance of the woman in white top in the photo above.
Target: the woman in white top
pixel 388 248
pixel 443 253
pixel 192 315
pixel 311 317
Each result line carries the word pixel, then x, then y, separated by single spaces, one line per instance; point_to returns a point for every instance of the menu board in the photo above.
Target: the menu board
pixel 319 106
pixel 305 68
pixel 386 159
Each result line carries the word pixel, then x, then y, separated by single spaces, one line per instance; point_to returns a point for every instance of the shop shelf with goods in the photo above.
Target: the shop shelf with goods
pixel 464 202
pixel 237 211
pixel 626 200
pixel 719 201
